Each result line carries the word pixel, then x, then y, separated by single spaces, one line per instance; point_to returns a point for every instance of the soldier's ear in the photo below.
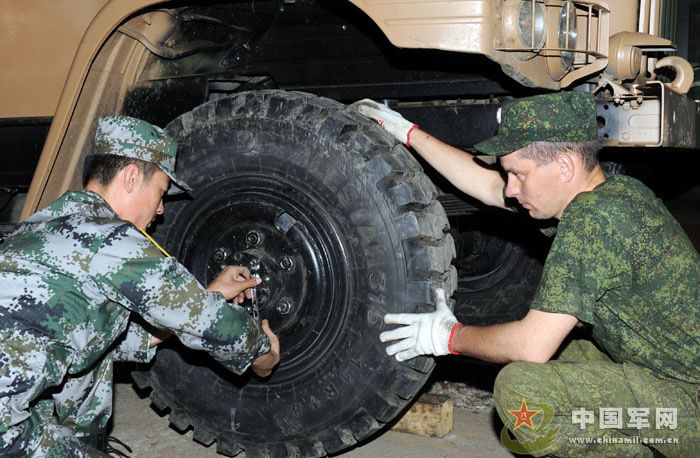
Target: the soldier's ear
pixel 567 166
pixel 130 177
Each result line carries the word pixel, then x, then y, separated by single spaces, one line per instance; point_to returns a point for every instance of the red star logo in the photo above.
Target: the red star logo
pixel 524 416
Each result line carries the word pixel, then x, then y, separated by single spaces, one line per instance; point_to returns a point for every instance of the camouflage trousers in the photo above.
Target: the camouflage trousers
pixel 584 404
pixel 81 407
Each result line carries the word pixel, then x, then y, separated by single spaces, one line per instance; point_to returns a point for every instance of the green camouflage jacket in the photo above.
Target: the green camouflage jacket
pixel 70 276
pixel 621 263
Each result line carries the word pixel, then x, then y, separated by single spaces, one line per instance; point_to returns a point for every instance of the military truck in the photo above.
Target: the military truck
pixel 343 224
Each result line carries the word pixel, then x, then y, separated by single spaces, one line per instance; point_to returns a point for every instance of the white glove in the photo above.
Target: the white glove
pixel 424 333
pixel 390 120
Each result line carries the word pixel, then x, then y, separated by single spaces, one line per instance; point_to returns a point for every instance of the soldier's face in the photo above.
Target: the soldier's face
pixel 149 198
pixel 535 187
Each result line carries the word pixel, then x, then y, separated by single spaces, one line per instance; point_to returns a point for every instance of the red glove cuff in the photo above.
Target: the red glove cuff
pixel 408 134
pixel 452 334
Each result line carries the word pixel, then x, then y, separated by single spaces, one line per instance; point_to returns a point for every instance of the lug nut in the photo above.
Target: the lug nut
pixel 284 307
pixel 253 238
pixel 237 257
pixel 263 293
pixel 220 254
pixel 254 264
pixel 286 263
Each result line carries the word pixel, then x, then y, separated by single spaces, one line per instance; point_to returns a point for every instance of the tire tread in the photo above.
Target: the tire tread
pixel 422 227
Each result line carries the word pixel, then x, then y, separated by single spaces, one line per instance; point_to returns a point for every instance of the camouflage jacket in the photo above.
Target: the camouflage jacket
pixel 621 263
pixel 70 276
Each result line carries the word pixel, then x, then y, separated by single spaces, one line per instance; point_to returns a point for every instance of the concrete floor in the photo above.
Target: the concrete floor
pixel 148 434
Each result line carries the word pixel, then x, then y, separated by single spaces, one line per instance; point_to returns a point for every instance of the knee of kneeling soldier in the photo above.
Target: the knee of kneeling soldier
pixel 514 384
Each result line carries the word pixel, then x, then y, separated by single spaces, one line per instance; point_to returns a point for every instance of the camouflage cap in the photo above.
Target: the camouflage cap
pixel 558 117
pixel 131 137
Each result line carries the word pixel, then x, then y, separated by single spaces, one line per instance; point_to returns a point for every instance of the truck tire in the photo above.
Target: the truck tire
pixel 344 227
pixel 499 263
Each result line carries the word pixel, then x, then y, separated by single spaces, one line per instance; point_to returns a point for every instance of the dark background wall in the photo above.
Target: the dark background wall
pixel 687 29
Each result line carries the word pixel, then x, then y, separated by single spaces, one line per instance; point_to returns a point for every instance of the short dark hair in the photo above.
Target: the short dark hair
pixel 104 167
pixel 545 152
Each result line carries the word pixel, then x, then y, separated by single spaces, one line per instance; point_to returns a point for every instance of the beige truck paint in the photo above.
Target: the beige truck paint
pixel 493 28
pixel 92 65
pixel 32 34
pixel 79 37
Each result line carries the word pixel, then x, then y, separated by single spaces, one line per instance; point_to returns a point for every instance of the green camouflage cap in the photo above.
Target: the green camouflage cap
pixel 131 137
pixel 558 117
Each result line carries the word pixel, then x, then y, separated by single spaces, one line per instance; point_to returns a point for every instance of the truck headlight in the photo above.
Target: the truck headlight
pixel 531 24
pixel 567 33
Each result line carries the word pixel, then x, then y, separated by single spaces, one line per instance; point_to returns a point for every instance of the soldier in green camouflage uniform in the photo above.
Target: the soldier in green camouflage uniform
pixel 71 275
pixel 620 265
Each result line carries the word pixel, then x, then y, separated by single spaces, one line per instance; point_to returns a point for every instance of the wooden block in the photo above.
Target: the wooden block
pixel 431 415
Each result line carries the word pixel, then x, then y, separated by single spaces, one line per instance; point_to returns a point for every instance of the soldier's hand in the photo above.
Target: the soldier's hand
pixel 390 120
pixel 234 283
pixel 263 364
pixel 422 333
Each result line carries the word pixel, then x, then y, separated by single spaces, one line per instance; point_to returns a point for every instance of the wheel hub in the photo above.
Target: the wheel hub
pixel 282 234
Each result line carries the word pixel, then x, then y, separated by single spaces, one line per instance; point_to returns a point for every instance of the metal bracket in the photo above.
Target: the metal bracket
pixel 657 118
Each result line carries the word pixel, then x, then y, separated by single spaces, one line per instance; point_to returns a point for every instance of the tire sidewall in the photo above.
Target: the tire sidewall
pixel 335 174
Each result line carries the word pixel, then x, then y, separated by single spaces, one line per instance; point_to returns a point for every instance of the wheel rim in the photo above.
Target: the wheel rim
pixel 280 229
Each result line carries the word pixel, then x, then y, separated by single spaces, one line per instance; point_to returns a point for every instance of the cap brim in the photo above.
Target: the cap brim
pixel 177 186
pixel 499 145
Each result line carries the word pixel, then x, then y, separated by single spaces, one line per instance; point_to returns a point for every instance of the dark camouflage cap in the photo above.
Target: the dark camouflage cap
pixel 131 137
pixel 558 117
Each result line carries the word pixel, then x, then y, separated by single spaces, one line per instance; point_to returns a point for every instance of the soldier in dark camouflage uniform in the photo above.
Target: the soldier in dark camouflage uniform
pixel 71 275
pixel 620 264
